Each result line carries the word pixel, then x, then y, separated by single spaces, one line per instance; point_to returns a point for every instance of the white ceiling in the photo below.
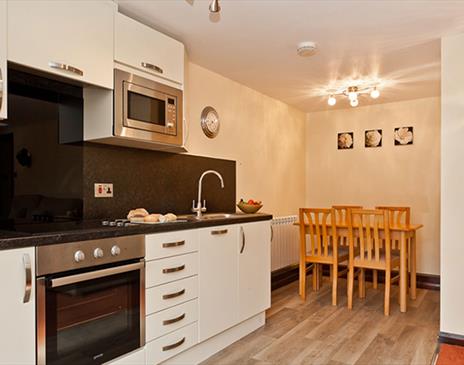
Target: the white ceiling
pixel 254 42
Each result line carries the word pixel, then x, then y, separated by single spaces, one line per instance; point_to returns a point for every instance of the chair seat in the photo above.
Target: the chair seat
pixel 343 253
pixel 373 264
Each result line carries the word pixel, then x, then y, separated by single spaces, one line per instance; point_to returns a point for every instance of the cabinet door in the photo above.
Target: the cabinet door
pixel 218 280
pixel 69 38
pixel 254 268
pixel 3 76
pixel 144 48
pixel 17 318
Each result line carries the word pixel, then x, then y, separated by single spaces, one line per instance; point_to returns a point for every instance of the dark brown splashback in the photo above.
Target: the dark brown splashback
pixel 157 181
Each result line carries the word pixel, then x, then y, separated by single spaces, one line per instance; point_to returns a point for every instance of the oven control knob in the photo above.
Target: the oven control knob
pixel 79 256
pixel 98 253
pixel 115 250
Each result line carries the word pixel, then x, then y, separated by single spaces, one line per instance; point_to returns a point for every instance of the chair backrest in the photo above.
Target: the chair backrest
pixel 342 212
pixel 397 216
pixel 319 225
pixel 372 231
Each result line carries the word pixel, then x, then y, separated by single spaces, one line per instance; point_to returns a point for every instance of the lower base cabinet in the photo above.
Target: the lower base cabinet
pixel 17 306
pixel 136 357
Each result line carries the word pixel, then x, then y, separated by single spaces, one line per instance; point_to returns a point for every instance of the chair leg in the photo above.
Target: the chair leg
pixel 315 277
pixel 334 271
pixel 375 279
pixel 331 273
pixel 386 308
pixel 350 287
pixel 362 284
pixel 303 279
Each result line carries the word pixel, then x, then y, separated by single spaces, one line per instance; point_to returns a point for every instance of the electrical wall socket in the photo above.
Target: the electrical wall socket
pixel 103 190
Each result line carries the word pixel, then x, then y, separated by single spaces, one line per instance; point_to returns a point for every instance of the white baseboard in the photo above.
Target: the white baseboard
pixel 208 348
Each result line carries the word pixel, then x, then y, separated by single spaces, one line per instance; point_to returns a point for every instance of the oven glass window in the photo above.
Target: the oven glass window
pixel 93 321
pixel 146 109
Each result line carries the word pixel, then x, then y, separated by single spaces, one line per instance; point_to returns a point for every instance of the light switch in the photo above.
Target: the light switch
pixel 103 190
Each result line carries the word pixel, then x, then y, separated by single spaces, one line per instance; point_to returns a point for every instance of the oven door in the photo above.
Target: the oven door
pixel 91 317
pixel 148 109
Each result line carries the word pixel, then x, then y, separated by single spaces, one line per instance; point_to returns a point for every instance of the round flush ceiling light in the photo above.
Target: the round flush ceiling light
pixel 332 101
pixel 306 49
pixel 375 93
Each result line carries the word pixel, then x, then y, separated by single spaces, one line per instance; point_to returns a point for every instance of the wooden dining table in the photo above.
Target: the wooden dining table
pixel 403 234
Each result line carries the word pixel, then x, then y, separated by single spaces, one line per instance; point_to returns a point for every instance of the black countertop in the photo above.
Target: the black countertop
pixel 91 230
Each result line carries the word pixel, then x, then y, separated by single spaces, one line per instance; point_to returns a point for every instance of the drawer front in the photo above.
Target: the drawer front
pixel 171 319
pixel 168 295
pixel 169 269
pixel 136 357
pixel 170 244
pixel 169 345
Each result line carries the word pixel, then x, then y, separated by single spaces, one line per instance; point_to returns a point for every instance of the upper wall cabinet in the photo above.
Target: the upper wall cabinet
pixel 68 38
pixel 143 48
pixel 3 81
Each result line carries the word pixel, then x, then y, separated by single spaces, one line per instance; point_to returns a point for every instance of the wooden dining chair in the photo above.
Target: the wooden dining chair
pixel 371 229
pixel 342 212
pixel 397 216
pixel 319 246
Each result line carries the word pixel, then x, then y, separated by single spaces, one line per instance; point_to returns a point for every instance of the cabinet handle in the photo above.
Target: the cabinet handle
pixel 173 320
pixel 65 67
pixel 174 295
pixel 28 276
pixel 152 67
pixel 243 239
pixel 173 244
pixel 173 269
pixel 219 232
pixel 272 233
pixel 174 345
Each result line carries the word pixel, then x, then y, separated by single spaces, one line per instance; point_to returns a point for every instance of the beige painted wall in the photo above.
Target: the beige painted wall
pixel 265 136
pixel 452 183
pixel 389 175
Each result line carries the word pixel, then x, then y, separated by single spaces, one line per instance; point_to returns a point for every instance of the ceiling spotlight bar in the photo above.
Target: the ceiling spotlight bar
pixel 353 92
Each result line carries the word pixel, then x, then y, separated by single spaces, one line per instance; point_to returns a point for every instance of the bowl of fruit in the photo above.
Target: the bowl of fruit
pixel 249 207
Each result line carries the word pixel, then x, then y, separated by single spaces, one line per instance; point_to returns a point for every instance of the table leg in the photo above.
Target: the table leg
pixel 412 263
pixel 403 273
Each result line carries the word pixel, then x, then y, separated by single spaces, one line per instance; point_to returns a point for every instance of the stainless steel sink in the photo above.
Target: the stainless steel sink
pixel 210 216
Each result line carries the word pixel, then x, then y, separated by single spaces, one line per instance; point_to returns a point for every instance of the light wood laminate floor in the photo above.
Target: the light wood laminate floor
pixel 315 332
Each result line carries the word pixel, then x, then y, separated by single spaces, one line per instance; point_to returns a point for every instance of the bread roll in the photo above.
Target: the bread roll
pixel 137 213
pixel 168 218
pixel 152 218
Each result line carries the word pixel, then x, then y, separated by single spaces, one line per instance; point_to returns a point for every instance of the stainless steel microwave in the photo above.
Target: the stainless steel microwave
pixel 147 111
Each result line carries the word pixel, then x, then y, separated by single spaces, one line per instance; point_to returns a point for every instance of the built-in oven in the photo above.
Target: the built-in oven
pixel 147 110
pixel 90 300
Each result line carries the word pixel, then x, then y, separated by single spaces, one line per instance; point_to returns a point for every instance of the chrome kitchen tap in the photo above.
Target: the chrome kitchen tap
pixel 197 208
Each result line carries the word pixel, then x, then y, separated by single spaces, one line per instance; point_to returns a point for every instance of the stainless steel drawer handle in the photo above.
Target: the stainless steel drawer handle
pixel 174 345
pixel 174 295
pixel 65 67
pixel 219 232
pixel 242 231
pixel 173 320
pixel 173 244
pixel 28 276
pixel 173 269
pixel 152 67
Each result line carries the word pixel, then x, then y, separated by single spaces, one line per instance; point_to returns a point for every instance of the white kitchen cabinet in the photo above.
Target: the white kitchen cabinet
pixel 74 39
pixel 3 57
pixel 218 280
pixel 254 268
pixel 17 310
pixel 146 49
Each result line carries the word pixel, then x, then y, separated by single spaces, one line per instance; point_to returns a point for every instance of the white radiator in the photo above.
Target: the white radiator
pixel 285 242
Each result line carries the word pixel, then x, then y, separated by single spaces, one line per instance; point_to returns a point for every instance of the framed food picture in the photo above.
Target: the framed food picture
pixel 404 136
pixel 373 138
pixel 345 141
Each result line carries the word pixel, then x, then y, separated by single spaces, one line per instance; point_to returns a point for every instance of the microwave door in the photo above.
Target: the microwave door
pixel 146 109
